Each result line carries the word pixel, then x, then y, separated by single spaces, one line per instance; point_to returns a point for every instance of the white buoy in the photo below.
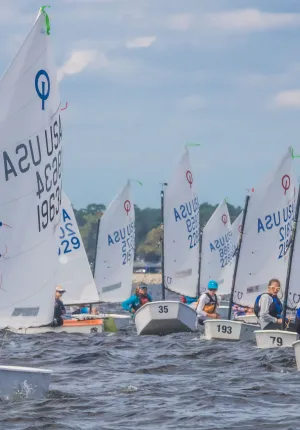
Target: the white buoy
pixel 24 381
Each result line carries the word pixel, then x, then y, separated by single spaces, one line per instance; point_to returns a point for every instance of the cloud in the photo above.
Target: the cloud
pixel 251 20
pixel 287 100
pixel 181 22
pixel 192 103
pixel 80 60
pixel 141 42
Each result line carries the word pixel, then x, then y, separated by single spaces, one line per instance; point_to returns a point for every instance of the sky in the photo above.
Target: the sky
pixel 144 77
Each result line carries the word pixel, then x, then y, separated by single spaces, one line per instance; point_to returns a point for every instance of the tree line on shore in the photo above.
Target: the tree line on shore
pixel 147 228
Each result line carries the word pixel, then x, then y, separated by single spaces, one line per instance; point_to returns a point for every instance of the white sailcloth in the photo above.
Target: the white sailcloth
pixel 181 231
pixel 267 232
pixel 30 183
pixel 115 249
pixel 217 251
pixel 74 272
pixel 293 300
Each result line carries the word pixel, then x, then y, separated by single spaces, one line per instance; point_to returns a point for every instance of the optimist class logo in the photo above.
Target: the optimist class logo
pixel 189 177
pixel 286 183
pixel 127 206
pixel 224 219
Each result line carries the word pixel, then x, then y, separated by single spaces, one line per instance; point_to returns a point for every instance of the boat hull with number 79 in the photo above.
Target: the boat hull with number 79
pixel 274 338
pixel 228 330
pixel 165 317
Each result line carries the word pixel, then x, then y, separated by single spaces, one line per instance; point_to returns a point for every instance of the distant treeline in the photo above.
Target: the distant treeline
pixel 147 227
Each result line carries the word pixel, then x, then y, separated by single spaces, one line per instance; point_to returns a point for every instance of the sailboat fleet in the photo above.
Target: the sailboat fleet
pixel 40 236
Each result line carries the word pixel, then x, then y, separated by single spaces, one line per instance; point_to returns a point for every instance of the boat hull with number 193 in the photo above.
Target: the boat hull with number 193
pixel 228 330
pixel 274 338
pixel 165 317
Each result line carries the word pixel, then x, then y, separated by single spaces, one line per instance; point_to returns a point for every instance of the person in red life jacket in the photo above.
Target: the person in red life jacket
pixel 137 300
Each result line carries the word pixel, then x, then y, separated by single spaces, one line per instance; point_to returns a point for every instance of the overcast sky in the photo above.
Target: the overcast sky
pixel 143 77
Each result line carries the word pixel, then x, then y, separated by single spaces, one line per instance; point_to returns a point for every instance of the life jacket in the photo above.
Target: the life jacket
pixel 141 301
pixel 275 308
pixel 211 306
pixel 183 299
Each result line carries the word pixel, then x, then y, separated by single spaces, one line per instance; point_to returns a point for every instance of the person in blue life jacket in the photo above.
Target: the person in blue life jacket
pixel 59 308
pixel 268 308
pixel 137 300
pixel 297 323
pixel 84 309
pixel 208 303
pixel 188 300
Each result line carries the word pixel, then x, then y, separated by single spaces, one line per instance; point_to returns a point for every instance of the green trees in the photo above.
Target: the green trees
pixel 147 228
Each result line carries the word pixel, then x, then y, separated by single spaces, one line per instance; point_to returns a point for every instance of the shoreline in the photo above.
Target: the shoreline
pixel 147 278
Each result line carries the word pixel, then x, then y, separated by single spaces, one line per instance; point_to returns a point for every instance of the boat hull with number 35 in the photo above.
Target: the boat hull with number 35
pixel 228 330
pixel 165 317
pixel 274 338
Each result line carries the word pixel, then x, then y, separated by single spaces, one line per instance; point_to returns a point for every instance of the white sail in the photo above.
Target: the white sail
pixel 115 249
pixel 30 187
pixel 293 299
pixel 181 231
pixel 74 272
pixel 267 232
pixel 217 251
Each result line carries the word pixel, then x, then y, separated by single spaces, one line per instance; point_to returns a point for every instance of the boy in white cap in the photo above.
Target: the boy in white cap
pixel 59 309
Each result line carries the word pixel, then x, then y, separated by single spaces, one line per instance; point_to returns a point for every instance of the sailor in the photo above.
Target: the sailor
pixel 59 309
pixel 137 300
pixel 297 322
pixel 268 307
pixel 208 303
pixel 188 300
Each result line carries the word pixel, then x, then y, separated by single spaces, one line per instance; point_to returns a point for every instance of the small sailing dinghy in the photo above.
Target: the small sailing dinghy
pixel 30 196
pixel 180 208
pixel 290 231
pixel 115 254
pixel 75 276
pixel 264 247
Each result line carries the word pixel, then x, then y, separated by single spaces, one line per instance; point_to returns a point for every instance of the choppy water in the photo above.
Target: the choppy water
pixel 111 381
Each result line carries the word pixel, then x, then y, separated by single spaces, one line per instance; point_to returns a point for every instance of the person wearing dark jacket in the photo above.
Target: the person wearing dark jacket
pixel 59 309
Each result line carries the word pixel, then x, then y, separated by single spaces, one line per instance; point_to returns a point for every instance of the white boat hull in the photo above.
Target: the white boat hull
pixel 228 330
pixel 165 317
pixel 296 346
pixel 24 382
pixel 88 328
pixel 248 319
pixel 274 338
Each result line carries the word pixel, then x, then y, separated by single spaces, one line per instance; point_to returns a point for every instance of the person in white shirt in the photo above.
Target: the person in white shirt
pixel 208 303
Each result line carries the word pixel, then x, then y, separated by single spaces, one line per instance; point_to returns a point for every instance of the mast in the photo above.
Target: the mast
pixel 238 256
pixel 163 291
pixel 288 276
pixel 95 255
pixel 199 265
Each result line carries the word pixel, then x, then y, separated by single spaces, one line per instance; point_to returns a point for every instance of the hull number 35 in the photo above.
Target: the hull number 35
pixel 224 329
pixel 163 309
